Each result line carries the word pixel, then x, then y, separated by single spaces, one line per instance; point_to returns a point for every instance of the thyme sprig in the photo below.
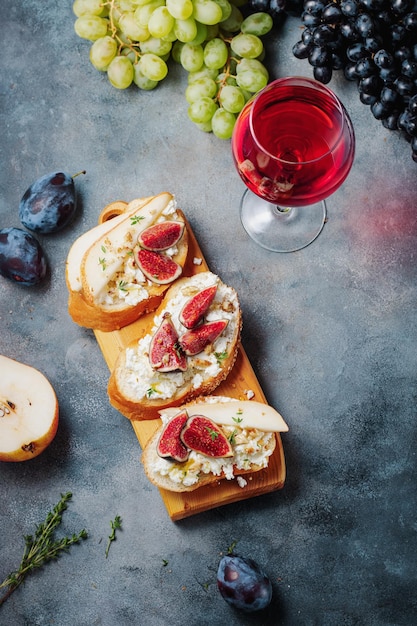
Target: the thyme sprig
pixel 212 433
pixel 116 524
pixel 135 219
pixel 42 547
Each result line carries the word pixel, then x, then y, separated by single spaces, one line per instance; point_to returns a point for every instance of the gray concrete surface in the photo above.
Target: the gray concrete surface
pixel 330 331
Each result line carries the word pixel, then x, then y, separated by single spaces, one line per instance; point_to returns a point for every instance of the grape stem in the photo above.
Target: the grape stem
pixel 121 44
pixel 223 81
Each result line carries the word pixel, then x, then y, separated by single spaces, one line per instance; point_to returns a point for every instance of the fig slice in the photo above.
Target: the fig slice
pixel 195 308
pixel 161 236
pixel 169 445
pixel 203 435
pixel 195 340
pixel 159 268
pixel 164 352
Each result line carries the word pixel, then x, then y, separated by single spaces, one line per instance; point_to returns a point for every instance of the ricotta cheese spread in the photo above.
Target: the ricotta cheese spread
pixel 250 447
pixel 141 381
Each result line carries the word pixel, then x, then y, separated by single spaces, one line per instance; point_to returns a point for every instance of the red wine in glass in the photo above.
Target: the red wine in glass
pixel 293 146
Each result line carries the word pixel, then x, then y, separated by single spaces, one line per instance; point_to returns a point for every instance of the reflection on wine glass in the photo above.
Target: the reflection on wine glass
pixel 293 145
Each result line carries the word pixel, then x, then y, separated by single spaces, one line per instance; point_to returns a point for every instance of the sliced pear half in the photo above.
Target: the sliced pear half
pixel 29 412
pixel 105 256
pixel 242 413
pixel 109 218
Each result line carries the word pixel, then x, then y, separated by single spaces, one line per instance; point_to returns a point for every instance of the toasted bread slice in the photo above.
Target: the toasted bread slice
pixel 106 288
pixel 249 426
pixel 139 391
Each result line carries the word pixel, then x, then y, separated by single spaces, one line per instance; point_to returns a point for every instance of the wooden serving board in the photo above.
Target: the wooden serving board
pixel 240 380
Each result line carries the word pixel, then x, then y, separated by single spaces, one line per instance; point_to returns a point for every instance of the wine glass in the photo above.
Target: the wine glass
pixel 293 145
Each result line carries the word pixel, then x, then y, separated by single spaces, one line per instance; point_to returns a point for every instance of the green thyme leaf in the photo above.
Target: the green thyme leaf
pixel 135 219
pixel 116 524
pixel 232 437
pixel 150 392
pixel 220 356
pixel 213 434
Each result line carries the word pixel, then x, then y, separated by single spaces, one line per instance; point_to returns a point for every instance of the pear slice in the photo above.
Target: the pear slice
pixel 29 412
pixel 106 255
pixel 85 241
pixel 234 412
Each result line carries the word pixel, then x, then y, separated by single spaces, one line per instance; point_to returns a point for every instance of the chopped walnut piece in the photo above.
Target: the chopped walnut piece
pixel 228 306
pixel 190 290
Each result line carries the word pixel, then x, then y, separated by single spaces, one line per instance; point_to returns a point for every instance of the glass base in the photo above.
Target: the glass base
pixel 281 229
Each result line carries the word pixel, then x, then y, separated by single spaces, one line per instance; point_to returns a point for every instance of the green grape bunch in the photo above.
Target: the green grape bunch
pixel 221 50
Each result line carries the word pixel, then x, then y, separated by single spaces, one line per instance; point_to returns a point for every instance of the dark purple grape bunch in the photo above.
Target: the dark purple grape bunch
pixel 243 584
pixel 407 121
pixel 47 206
pixel 374 42
pixel 277 9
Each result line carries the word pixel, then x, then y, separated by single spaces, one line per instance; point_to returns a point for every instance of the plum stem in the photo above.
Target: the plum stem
pixel 79 173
